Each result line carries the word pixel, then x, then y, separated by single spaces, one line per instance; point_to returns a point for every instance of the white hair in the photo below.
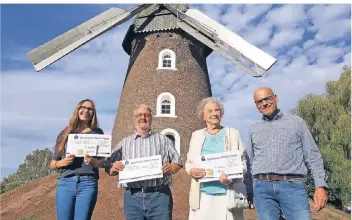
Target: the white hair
pixel 200 108
pixel 142 106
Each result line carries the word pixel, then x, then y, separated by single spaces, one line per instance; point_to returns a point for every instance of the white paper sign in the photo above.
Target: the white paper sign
pixel 92 144
pixel 229 163
pixel 141 169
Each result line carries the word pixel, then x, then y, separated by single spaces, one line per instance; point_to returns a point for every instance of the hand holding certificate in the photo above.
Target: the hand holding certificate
pixel 92 144
pixel 141 169
pixel 229 163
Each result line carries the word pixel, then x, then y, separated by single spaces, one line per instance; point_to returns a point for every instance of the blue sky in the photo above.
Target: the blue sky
pixel 311 42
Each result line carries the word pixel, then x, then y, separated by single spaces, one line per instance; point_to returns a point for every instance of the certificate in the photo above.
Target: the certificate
pixel 92 144
pixel 138 169
pixel 229 163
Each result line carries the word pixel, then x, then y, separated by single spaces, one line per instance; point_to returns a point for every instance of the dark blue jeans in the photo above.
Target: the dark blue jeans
pixel 76 197
pixel 290 197
pixel 148 205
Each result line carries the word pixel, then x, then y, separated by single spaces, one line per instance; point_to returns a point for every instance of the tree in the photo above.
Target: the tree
pixel 328 117
pixel 35 165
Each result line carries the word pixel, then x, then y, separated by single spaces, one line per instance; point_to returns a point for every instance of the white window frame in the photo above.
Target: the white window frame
pixel 170 131
pixel 173 59
pixel 159 101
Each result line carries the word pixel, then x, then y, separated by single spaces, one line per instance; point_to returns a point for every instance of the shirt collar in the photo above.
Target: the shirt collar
pixel 276 117
pixel 137 135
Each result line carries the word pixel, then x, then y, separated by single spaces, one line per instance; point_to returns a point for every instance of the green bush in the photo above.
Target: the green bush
pixel 35 165
pixel 328 117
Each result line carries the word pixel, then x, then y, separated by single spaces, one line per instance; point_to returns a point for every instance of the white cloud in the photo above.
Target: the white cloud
pixel 287 37
pixel 308 44
pixel 287 16
pixel 347 59
pixel 258 36
pixel 333 30
pixel 323 13
pixel 330 22
pixel 325 54
pixel 238 17
pixel 295 51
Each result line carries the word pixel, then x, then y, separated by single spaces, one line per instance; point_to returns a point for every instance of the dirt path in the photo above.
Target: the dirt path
pixel 36 200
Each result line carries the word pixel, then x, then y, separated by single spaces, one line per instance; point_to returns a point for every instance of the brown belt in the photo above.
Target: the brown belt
pixel 276 177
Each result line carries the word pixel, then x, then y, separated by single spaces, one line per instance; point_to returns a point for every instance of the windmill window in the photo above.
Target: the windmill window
pixel 167 60
pixel 174 136
pixel 165 106
pixel 171 137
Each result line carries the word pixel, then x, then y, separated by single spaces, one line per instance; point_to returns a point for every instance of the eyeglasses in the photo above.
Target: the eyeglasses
pixel 266 99
pixel 140 116
pixel 90 110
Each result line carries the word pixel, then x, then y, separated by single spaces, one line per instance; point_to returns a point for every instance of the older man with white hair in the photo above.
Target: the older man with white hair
pixel 146 199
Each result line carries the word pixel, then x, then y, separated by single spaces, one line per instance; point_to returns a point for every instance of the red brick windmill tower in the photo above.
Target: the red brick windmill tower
pixel 168 46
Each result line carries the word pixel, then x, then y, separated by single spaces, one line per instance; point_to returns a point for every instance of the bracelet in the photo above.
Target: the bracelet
pixel 56 165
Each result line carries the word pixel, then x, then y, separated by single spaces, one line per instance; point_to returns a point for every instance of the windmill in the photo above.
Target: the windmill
pixel 168 45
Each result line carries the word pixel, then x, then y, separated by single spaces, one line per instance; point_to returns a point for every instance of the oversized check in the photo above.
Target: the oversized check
pixel 214 164
pixel 92 144
pixel 141 169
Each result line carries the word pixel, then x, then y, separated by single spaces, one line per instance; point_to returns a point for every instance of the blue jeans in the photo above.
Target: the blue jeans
pixel 288 197
pixel 148 205
pixel 76 197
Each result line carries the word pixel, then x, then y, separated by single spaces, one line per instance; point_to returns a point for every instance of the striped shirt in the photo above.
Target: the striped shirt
pixel 136 146
pixel 284 145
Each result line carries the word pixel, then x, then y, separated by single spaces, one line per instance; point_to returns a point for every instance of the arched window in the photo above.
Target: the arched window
pixel 167 60
pixel 173 136
pixel 165 105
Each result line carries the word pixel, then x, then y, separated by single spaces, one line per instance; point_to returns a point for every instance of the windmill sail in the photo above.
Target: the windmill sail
pixel 228 44
pixel 64 44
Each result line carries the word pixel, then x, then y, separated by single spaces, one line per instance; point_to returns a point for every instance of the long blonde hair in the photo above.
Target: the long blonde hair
pixel 74 125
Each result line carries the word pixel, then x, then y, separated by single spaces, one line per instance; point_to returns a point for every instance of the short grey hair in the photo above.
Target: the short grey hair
pixel 142 106
pixel 200 107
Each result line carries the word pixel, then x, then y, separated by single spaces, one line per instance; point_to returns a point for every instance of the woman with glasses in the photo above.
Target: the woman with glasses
pixel 77 187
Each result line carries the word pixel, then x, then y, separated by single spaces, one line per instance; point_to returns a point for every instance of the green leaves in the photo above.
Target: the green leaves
pixel 35 165
pixel 328 117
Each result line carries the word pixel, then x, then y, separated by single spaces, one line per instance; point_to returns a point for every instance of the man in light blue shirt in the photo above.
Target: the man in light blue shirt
pixel 280 150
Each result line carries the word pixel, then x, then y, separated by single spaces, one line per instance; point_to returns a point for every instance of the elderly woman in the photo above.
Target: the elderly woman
pixel 209 200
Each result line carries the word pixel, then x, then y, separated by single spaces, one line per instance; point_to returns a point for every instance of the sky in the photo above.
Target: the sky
pixel 311 43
